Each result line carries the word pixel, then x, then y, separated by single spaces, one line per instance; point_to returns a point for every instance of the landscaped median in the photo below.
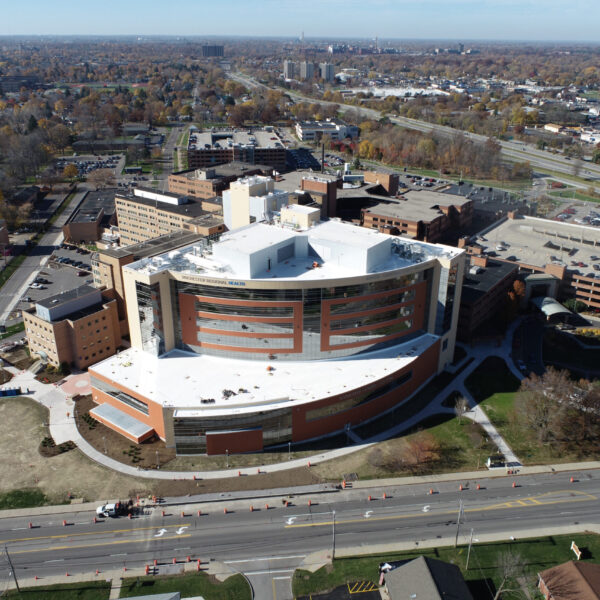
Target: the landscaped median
pixel 488 564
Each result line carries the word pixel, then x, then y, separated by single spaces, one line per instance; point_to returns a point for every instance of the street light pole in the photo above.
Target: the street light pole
pixel 227 454
pixel 12 569
pixel 469 552
pixel 157 463
pixel 289 450
pixel 104 440
pixel 460 510
pixel 333 538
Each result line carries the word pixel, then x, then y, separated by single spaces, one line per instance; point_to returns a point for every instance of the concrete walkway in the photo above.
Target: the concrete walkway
pixel 63 428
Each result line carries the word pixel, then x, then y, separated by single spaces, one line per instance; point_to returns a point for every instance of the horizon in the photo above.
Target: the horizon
pixel 532 21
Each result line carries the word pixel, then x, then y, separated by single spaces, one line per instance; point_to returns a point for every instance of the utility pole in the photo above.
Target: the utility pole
pixel 12 569
pixel 469 551
pixel 333 538
pixel 460 511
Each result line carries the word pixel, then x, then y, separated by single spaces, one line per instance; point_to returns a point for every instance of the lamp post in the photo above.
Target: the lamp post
pixel 289 450
pixel 104 440
pixel 157 462
pixel 333 537
pixel 227 455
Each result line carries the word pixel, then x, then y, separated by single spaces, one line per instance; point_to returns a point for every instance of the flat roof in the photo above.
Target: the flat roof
pixel 414 205
pixel 193 207
pixel 201 376
pixel 208 140
pixel 155 246
pixel 341 250
pixel 231 169
pixel 477 284
pixel 292 181
pixel 58 299
pixel 93 203
pixel 539 242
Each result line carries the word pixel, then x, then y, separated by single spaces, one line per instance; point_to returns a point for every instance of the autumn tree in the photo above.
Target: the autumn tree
pixel 70 171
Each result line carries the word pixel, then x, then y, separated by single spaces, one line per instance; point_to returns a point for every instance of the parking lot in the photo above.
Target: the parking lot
pixel 357 590
pixel 581 213
pixel 56 278
pixel 87 164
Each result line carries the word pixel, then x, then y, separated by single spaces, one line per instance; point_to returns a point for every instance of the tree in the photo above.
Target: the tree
pixel 70 171
pixel 461 407
pixel 102 178
pixel 510 567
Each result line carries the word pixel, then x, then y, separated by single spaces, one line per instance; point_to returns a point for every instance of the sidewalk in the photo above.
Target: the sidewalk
pixel 63 427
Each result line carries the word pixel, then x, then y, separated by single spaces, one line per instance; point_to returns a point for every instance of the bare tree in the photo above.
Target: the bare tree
pixel 510 567
pixel 461 407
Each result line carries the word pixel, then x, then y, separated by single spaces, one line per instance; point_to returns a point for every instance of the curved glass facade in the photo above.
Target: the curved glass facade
pixel 298 324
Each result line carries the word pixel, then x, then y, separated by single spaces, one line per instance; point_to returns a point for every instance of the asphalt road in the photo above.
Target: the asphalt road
pixel 268 544
pixel 15 287
pixel 518 151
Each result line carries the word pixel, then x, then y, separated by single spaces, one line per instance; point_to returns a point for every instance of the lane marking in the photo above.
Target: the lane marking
pixel 69 535
pixel 160 533
pixel 273 587
pixel 182 529
pixel 231 562
pixel 583 497
pixel 368 514
pixel 122 554
pixel 291 520
pixel 282 577
pixel 269 572
pixel 98 545
pixel 55 560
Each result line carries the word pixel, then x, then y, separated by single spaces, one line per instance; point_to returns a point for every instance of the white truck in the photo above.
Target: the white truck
pixel 107 510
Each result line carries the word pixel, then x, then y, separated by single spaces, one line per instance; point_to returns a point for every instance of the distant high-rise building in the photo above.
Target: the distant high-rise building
pixel 289 69
pixel 327 71
pixel 211 51
pixel 307 70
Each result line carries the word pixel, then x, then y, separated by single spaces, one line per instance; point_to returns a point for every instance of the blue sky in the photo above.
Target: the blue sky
pixel 576 20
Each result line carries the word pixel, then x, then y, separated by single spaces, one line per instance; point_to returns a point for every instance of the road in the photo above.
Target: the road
pixel 269 544
pixel 15 287
pixel 517 151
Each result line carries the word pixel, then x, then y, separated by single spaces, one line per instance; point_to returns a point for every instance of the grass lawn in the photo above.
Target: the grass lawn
pixel 461 448
pixel 12 329
pixel 483 575
pixel 25 498
pixel 85 590
pixel 190 584
pixel 570 193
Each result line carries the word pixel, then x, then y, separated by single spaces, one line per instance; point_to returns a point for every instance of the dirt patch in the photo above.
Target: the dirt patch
pixel 5 376
pixel 282 479
pixel 18 357
pixel 22 466
pixel 48 447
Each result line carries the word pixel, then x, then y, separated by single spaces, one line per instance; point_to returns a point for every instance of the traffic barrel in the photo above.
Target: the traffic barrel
pixel 224 511
pixel 174 561
pixel 514 484
pixel 251 508
pixel 30 525
pixel 198 566
pixel 460 487
pixel 369 498
pixel 188 558
pixel 266 507
pixel 64 523
pixel 162 512
pixel 309 463
pixel 384 495
pixel 431 491
pixel 478 486
pixel 199 513
pixel 572 480
pixel 155 562
pixel 147 569
pixel 309 502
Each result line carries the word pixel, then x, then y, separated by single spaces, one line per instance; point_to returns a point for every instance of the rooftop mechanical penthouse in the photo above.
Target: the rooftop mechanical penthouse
pixel 278 333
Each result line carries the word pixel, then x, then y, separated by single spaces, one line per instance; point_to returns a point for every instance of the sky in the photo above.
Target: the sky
pixel 543 20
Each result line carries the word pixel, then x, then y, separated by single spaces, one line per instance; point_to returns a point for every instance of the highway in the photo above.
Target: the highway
pixel 513 150
pixel 268 544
